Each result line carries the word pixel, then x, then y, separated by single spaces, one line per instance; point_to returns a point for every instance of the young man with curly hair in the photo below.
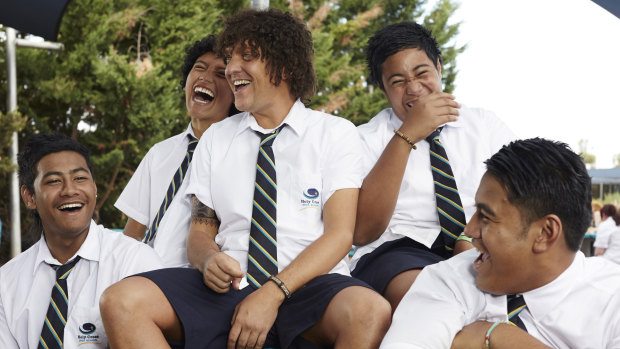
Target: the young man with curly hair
pixel 158 210
pixel 274 193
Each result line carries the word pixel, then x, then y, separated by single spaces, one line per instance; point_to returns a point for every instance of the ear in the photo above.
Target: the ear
pixel 28 198
pixel 549 232
pixel 438 67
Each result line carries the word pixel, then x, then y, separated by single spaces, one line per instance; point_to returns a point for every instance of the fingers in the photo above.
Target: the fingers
pixel 220 271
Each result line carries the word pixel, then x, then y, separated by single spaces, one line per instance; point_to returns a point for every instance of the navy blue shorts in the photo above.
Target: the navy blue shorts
pixel 380 266
pixel 205 315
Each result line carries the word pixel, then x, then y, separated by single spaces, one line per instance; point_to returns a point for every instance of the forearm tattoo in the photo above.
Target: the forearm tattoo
pixel 203 214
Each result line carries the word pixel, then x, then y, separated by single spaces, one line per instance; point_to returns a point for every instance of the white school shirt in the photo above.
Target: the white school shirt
pixel 26 284
pixel 603 231
pixel 146 190
pixel 313 151
pixel 612 252
pixel 579 309
pixel 473 138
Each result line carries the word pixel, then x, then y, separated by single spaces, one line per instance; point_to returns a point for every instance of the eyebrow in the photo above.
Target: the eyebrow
pixel 488 211
pixel 423 65
pixel 58 173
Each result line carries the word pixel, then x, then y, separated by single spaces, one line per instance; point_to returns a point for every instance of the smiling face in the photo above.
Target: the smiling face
pixel 207 95
pixel 64 194
pixel 505 245
pixel 248 76
pixel 408 75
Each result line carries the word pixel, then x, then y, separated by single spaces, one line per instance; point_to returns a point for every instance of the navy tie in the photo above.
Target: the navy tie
pixel 263 249
pixel 516 304
pixel 449 207
pixel 53 331
pixel 177 180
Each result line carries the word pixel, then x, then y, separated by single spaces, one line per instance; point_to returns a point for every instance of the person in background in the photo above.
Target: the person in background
pixel 423 160
pixel 526 285
pixel 154 199
pixel 49 294
pixel 604 229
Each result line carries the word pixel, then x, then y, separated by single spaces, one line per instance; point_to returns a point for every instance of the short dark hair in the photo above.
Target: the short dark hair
pixel 282 40
pixel 37 147
pixel 609 210
pixel 395 38
pixel 192 53
pixel 546 177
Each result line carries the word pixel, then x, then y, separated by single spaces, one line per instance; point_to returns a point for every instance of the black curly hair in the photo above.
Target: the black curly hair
pixel 192 53
pixel 281 40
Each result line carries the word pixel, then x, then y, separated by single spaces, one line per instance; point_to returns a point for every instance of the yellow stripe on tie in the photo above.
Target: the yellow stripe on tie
pixel 264 213
pixel 62 318
pixel 442 172
pixel 440 157
pixel 264 252
pixel 253 280
pixel 264 232
pixel 267 157
pixel 42 341
pixel 49 326
pixel 265 194
pixel 449 233
pixel 516 310
pixel 62 292
pixel 450 218
pixel 450 201
pixel 446 187
pixel 64 276
pixel 267 176
pixel 258 265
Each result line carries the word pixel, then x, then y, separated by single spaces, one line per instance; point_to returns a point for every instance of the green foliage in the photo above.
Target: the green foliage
pixel 587 157
pixel 115 86
pixel 11 122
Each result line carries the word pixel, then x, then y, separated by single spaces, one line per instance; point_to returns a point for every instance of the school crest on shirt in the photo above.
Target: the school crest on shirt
pixel 87 334
pixel 310 199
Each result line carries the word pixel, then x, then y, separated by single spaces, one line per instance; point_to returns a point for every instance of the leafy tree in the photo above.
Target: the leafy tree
pixel 115 86
pixel 588 159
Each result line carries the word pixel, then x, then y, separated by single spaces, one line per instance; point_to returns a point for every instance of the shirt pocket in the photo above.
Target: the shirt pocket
pixel 306 194
pixel 85 329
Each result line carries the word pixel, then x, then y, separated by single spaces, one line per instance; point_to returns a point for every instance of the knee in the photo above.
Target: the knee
pixel 119 299
pixel 370 312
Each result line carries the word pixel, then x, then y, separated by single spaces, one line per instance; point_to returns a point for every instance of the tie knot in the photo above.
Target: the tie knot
pixel 433 135
pixel 266 139
pixel 62 271
pixel 193 141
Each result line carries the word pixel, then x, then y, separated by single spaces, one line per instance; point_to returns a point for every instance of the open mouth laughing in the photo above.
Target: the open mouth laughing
pixel 71 207
pixel 240 84
pixel 203 95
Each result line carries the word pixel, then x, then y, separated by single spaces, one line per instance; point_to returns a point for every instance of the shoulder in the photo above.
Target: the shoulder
pixel 119 247
pixel 602 275
pixel 378 121
pixel 19 265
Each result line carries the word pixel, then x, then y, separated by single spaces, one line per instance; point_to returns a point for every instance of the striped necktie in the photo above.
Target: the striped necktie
pixel 516 304
pixel 449 207
pixel 56 318
pixel 177 180
pixel 263 246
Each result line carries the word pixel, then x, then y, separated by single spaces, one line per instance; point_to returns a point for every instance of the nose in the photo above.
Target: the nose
pixel 413 87
pixel 233 65
pixel 472 229
pixel 69 188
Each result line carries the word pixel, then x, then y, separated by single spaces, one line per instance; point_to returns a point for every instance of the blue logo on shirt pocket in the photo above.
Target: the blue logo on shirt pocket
pixel 311 193
pixel 87 328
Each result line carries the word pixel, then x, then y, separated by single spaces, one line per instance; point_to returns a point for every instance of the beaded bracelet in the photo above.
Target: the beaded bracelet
pixel 287 293
pixel 407 139
pixel 487 337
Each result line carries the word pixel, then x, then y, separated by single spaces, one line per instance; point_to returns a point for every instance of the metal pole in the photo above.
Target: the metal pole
pixel 16 237
pixel 259 4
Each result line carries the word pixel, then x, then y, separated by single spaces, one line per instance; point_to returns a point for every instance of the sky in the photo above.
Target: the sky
pixel 548 68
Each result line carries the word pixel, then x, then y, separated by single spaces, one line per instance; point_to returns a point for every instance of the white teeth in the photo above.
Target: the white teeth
pixel 241 82
pixel 203 90
pixel 68 206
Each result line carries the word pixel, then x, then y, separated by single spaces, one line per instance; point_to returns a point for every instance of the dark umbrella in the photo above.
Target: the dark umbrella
pixel 37 17
pixel 612 6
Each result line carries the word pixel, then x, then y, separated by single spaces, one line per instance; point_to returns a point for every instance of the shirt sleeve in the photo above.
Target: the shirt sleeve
pixel 7 341
pixel 135 200
pixel 499 134
pixel 602 235
pixel 200 176
pixel 435 308
pixel 140 258
pixel 342 165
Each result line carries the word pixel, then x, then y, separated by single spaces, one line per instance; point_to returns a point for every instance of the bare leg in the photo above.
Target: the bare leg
pixel 356 317
pixel 399 285
pixel 137 306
